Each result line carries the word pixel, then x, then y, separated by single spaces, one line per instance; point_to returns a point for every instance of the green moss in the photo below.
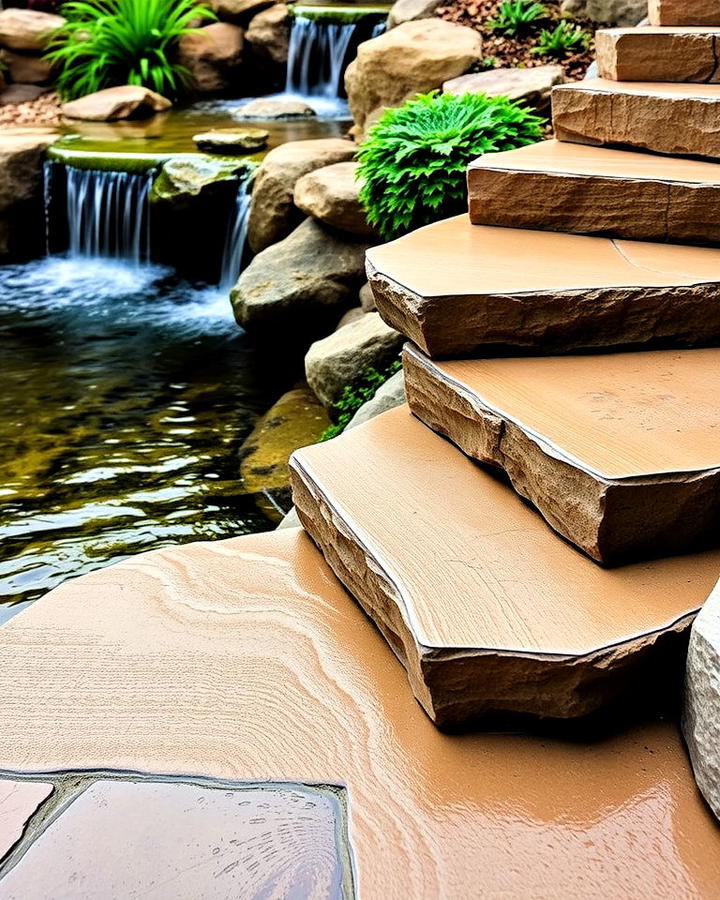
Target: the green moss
pixel 188 175
pixel 342 15
pixel 64 151
pixel 355 396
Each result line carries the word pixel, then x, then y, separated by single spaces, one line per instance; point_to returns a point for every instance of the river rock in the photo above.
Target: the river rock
pixel 410 10
pixel 272 213
pixel 26 68
pixel 607 12
pixel 701 720
pixel 238 11
pixel 265 108
pixel 214 56
pixel 296 290
pixel 27 29
pixel 232 140
pixel 330 195
pixel 413 58
pixel 367 298
pixel 342 358
pixel 268 36
pixel 183 178
pixel 21 166
pixel 531 85
pixel 125 102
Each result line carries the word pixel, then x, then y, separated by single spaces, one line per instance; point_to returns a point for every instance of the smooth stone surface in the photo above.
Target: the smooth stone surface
pixel 331 195
pixel 597 190
pixel 298 288
pixel 232 140
pixel 619 452
pixel 272 213
pixel 367 298
pixel 263 108
pixel 26 68
pixel 111 104
pixel 570 292
pixel 531 85
pixel 21 93
pixel 245 659
pixel 268 39
pixel 341 359
pixel 701 719
pixel 27 29
pixel 487 609
pixel 21 167
pixel 238 11
pixel 133 839
pixel 409 10
pixel 214 57
pixel 413 58
pixel 684 12
pixel 19 800
pixel 658 54
pixel 662 117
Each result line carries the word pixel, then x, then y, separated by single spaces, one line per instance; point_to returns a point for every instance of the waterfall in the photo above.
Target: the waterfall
pixel 236 238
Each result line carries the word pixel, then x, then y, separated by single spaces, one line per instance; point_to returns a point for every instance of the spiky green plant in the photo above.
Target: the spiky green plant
pixel 516 17
pixel 105 43
pixel 413 162
pixel 356 395
pixel 563 39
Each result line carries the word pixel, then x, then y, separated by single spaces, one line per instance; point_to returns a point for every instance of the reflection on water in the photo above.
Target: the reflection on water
pixel 123 399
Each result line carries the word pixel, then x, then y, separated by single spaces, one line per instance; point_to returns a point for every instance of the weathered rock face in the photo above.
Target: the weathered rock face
pixel 683 12
pixel 413 58
pixel 268 37
pixel 21 162
pixel 701 719
pixel 182 179
pixel 300 286
pixel 596 190
pixel 263 108
pixel 531 85
pixel 27 29
pixel 655 54
pixel 410 10
pixel 486 608
pixel 341 359
pixel 214 56
pixel 272 213
pixel 238 11
pixel 330 195
pixel 125 102
pixel 26 68
pixel 607 12
pixel 668 118
pixel 232 140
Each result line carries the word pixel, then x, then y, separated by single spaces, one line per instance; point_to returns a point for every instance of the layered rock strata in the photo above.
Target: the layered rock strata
pixel 658 54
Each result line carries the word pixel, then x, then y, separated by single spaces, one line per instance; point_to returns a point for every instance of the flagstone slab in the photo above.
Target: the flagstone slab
pixel 189 842
pixel 580 189
pixel 651 53
pixel 454 288
pixel 489 611
pixel 19 800
pixel 619 452
pixel 684 12
pixel 245 660
pixel 661 117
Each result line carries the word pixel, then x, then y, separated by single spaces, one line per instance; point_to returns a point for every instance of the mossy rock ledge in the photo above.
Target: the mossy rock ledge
pixel 184 178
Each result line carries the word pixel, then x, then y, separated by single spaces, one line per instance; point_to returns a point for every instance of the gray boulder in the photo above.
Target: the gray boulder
pixel 410 10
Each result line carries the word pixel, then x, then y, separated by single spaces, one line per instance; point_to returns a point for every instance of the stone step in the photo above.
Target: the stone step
pixel 658 54
pixel 580 189
pixel 619 452
pixel 678 119
pixel 454 288
pixel 489 611
pixel 684 12
pixel 245 662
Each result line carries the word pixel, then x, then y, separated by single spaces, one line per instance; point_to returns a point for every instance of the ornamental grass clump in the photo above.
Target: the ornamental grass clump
pixel 106 43
pixel 414 159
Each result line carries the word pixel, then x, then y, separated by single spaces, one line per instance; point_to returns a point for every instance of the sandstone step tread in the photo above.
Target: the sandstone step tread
pixel 620 452
pixel 245 660
pixel 662 117
pixel 454 287
pixel 487 608
pixel 578 188
pixel 651 53
pixel 684 12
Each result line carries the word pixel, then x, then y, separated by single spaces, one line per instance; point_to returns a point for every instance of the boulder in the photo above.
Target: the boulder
pixel 296 290
pixel 268 37
pixel 26 68
pixel 265 108
pixel 21 167
pixel 352 315
pixel 183 178
pixel 410 10
pixel 701 719
pixel 27 29
pixel 238 12
pixel 367 298
pixel 124 102
pixel 387 396
pixel 341 359
pixel 531 85
pixel 272 213
pixel 232 140
pixel 214 56
pixel 607 12
pixel 330 195
pixel 411 59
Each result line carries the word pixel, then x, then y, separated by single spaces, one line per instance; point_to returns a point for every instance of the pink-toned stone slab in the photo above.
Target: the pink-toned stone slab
pixel 148 839
pixel 619 452
pixel 577 188
pixel 684 12
pixel 454 288
pixel 246 660
pixel 19 800
pixel 658 54
pixel 661 117
pixel 487 608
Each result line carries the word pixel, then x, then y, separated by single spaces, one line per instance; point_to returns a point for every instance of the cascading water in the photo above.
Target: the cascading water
pixel 236 239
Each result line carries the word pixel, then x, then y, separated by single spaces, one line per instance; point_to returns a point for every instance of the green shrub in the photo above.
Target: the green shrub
pixel 354 396
pixel 414 159
pixel 563 39
pixel 105 43
pixel 516 17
